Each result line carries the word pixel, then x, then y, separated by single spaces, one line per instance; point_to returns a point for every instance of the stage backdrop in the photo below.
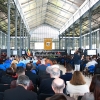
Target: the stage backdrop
pixel 47 43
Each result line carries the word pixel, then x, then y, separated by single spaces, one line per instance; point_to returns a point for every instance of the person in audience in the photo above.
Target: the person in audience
pixel 45 85
pixel 7 78
pixel 77 85
pixel 21 71
pixel 33 77
pixel 58 86
pixel 47 75
pixel 20 92
pixel 91 62
pixel 16 60
pixel 68 75
pixel 14 67
pixel 94 93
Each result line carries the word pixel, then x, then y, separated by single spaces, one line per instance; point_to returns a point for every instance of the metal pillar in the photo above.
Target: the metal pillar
pixel 80 39
pixel 8 38
pixel 68 42
pixel 28 41
pixel 65 43
pixel 73 40
pixel 23 38
pixel 16 17
pixel 90 35
pixel 20 37
pixel 59 41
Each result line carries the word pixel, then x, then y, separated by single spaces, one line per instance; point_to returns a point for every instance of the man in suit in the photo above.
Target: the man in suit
pixel 21 71
pixel 45 85
pixel 68 75
pixel 58 87
pixel 32 76
pixel 20 92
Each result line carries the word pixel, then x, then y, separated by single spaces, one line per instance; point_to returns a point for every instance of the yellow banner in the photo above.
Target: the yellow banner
pixel 47 43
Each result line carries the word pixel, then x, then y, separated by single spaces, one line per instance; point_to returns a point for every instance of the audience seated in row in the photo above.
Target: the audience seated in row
pixel 94 93
pixel 58 86
pixel 77 85
pixel 45 85
pixel 68 75
pixel 21 71
pixel 20 92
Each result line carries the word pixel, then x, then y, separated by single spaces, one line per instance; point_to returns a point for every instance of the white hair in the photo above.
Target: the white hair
pixel 55 66
pixel 23 79
pixel 48 69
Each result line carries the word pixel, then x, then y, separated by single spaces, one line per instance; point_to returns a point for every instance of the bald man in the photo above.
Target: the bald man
pixel 58 85
pixel 45 85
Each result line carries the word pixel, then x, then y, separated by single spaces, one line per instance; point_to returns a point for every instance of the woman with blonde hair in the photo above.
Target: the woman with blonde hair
pixel 77 85
pixel 14 67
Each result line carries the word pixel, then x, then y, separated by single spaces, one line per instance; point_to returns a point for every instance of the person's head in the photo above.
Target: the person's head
pixel 55 66
pixel 23 80
pixel 77 79
pixel 48 69
pixel 93 82
pixel 9 71
pixel 14 67
pixel 29 66
pixel 58 85
pixel 20 71
pixel 97 88
pixel 58 97
pixel 55 73
pixel 69 68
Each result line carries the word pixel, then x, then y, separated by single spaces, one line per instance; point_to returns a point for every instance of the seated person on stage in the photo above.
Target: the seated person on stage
pixel 45 85
pixel 58 86
pixel 68 75
pixel 21 71
pixel 20 92
pixel 32 76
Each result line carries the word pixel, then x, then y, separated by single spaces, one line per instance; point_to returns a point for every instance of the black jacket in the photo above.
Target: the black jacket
pixel 19 93
pixel 45 86
pixel 33 77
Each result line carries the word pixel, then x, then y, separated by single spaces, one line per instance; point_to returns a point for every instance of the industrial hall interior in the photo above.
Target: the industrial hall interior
pixel 49 49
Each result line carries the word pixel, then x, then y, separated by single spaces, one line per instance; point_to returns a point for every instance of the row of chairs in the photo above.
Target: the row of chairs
pixel 41 96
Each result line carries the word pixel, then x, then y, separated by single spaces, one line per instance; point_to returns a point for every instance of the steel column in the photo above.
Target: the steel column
pixel 16 17
pixel 80 39
pixel 28 41
pixel 8 38
pixel 90 35
pixel 59 41
pixel 23 38
pixel 20 36
pixel 73 40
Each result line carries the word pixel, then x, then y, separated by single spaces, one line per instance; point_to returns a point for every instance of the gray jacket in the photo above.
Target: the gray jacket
pixel 88 96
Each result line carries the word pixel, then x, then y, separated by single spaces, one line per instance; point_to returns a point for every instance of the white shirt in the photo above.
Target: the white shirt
pixel 93 62
pixel 76 90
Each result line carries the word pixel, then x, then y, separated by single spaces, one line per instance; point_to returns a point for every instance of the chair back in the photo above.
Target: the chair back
pixel 97 70
pixel 79 97
pixel 4 87
pixel 1 95
pixel 91 68
pixel 43 96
